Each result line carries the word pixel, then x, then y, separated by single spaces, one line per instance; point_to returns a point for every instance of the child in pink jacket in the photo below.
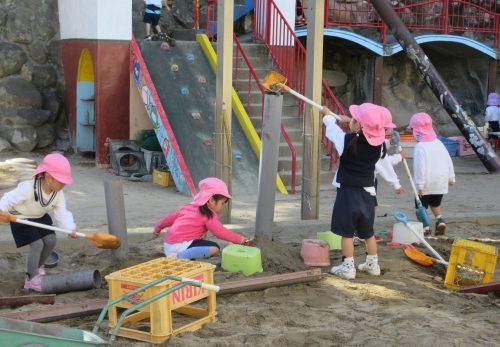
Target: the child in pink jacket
pixel 189 225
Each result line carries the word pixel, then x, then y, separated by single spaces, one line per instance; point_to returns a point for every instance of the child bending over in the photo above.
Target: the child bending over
pixel 189 225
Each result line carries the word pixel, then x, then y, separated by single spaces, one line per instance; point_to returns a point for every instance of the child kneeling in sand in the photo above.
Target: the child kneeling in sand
pixel 189 225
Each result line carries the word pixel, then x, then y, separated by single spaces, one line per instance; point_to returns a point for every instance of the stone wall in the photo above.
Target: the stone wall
pixel 31 78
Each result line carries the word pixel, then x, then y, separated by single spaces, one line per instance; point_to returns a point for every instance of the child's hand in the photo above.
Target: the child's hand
pixel 247 242
pixel 73 234
pixel 403 154
pixel 400 190
pixel 156 233
pixel 450 183
pixel 420 193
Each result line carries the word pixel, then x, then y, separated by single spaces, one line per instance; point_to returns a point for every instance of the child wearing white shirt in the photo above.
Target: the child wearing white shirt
pixel 432 167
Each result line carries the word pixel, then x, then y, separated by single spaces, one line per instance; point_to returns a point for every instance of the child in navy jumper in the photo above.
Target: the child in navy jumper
pixel 354 208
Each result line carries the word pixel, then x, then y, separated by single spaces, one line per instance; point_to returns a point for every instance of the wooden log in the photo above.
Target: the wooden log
pixel 14 301
pixel 482 288
pixel 93 307
pixel 59 312
pixel 259 283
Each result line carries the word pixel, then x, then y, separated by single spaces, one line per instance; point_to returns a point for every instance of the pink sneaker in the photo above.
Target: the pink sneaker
pixel 41 270
pixel 34 284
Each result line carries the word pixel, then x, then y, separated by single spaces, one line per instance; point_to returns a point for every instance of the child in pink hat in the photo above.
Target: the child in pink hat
pixel 432 168
pixel 35 200
pixel 354 208
pixel 189 225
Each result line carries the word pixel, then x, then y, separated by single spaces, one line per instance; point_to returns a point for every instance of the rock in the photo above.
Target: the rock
pixel 44 76
pixel 27 72
pixel 334 78
pixel 183 13
pixel 21 137
pixel 18 26
pixel 54 52
pixel 19 92
pixel 4 15
pixel 12 58
pixel 38 52
pixel 10 116
pixel 45 28
pixel 46 135
pixel 5 145
pixel 53 103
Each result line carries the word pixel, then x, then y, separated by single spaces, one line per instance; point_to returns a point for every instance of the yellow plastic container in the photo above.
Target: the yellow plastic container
pixel 334 240
pixel 158 314
pixel 163 178
pixel 241 258
pixel 470 263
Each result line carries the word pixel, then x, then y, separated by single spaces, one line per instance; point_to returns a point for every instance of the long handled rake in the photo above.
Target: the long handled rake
pixel 100 240
pixel 275 82
pixel 420 211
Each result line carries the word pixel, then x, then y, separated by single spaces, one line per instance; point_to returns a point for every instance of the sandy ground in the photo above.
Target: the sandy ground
pixel 406 305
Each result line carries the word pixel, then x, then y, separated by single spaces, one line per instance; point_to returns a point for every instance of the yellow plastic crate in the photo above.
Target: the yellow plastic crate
pixel 470 263
pixel 159 313
pixel 163 178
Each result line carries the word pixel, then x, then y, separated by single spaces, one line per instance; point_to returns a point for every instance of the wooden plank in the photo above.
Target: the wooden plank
pixel 482 288
pixel 59 312
pixel 259 283
pixel 92 307
pixel 27 299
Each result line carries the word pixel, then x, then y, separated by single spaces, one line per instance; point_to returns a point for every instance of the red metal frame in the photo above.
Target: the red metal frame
pixel 253 79
pixel 291 60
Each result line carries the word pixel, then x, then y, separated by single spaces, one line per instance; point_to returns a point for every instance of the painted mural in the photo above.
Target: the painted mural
pixel 160 130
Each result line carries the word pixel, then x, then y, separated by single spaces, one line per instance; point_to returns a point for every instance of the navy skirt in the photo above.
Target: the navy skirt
pixel 25 234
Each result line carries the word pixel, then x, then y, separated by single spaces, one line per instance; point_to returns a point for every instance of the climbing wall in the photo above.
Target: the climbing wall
pixel 185 85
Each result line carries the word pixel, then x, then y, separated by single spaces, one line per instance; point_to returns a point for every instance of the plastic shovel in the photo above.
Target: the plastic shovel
pixel 420 211
pixel 415 255
pixel 100 240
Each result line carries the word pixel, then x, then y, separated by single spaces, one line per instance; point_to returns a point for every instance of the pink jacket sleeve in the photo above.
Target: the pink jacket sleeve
pixel 217 229
pixel 166 221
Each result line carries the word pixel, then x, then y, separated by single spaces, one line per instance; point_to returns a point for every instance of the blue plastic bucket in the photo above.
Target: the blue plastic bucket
pixel 451 145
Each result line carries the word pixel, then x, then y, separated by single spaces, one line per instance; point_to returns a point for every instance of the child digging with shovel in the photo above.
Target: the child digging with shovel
pixel 34 200
pixel 354 208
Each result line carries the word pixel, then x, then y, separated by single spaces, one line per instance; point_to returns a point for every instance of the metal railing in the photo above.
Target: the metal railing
pixel 289 55
pixel 253 83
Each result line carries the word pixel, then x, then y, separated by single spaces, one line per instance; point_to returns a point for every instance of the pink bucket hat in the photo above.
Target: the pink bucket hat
pixel 421 123
pixel 57 166
pixel 373 121
pixel 208 188
pixel 492 99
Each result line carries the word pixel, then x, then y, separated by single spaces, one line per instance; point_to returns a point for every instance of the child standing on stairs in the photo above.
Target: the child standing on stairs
pixel 189 225
pixel 152 14
pixel 34 200
pixel 354 207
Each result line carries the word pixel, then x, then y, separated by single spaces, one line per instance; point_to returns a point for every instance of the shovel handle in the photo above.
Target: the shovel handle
pixel 307 100
pixel 401 217
pixel 204 285
pixel 13 219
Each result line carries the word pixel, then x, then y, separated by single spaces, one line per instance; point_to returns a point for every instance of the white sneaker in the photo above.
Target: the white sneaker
pixel 344 271
pixel 371 268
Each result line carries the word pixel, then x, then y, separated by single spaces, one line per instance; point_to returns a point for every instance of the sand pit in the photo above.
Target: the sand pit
pixel 406 305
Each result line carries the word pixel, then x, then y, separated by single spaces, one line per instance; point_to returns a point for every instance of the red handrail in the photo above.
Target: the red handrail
pixel 281 41
pixel 252 76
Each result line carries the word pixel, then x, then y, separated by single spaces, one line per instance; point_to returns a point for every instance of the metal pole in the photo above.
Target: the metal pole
pixel 223 110
pixel 311 156
pixel 438 86
pixel 268 166
pixel 72 281
pixel 115 210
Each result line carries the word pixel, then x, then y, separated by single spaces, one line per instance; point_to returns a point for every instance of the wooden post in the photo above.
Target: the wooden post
pixel 223 109
pixel 312 120
pixel 492 76
pixel 377 80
